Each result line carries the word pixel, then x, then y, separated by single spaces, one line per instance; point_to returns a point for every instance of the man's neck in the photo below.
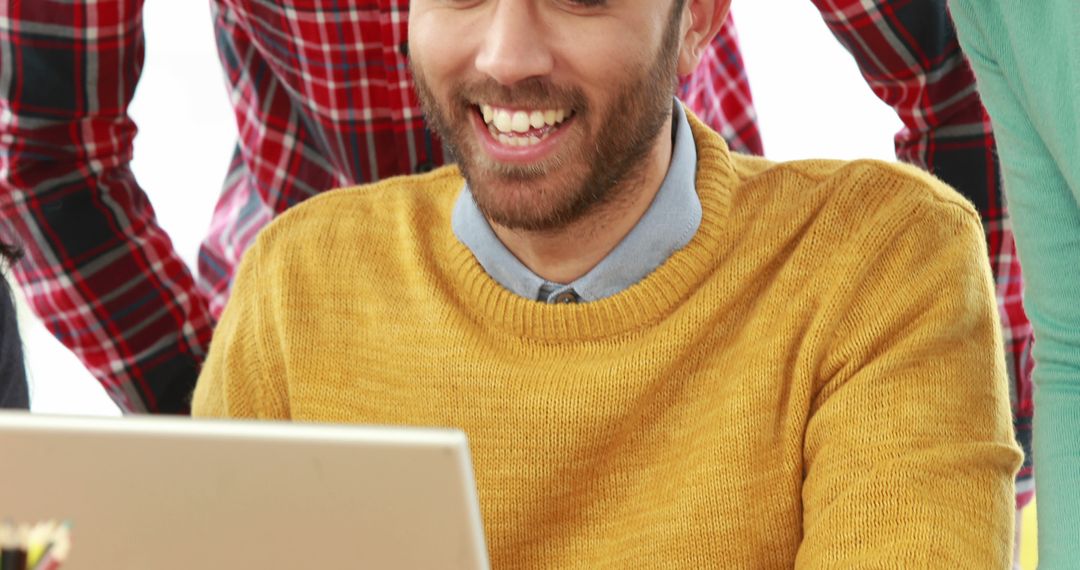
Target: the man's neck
pixel 567 254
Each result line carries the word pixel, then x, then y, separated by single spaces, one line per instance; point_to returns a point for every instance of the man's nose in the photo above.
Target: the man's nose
pixel 515 47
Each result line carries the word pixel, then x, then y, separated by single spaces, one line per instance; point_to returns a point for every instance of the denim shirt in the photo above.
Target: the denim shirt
pixel 667 226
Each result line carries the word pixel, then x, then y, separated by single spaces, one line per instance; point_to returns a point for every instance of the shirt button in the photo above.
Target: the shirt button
pixel 424 167
pixel 403 49
pixel 566 297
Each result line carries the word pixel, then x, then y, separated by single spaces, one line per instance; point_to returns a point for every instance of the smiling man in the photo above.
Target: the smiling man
pixel 664 354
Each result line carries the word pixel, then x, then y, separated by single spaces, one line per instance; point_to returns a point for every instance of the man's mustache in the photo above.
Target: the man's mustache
pixel 530 93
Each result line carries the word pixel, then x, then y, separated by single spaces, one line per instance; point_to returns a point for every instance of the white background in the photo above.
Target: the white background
pixel 810 98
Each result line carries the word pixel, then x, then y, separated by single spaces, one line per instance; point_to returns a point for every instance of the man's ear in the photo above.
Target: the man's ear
pixel 701 21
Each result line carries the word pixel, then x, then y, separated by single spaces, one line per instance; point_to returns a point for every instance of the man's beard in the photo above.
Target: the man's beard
pixel 550 195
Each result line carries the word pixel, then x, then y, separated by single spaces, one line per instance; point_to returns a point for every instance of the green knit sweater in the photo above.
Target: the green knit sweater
pixel 1026 57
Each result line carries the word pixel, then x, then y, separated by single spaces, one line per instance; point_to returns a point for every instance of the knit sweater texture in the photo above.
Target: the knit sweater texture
pixel 815 381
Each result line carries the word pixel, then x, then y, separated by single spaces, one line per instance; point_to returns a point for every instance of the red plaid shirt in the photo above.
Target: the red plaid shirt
pixel 323 99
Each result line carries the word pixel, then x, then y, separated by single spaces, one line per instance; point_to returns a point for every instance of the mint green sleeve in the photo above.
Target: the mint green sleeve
pixel 1026 58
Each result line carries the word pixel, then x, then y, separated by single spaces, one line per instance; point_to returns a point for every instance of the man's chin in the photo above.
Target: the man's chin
pixel 521 221
pixel 528 209
pixel 497 173
pixel 513 183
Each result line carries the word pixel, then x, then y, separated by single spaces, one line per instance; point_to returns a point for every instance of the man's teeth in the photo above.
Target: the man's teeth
pixel 520 122
pixel 518 141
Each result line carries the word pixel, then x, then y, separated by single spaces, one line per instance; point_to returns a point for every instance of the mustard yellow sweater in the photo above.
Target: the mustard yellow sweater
pixel 815 381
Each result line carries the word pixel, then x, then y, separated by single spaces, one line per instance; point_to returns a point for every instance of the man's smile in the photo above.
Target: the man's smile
pixel 522 127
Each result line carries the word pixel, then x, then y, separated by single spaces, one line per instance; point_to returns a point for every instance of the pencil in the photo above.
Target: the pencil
pixel 58 551
pixel 5 532
pixel 22 539
pixel 39 541
pixel 11 556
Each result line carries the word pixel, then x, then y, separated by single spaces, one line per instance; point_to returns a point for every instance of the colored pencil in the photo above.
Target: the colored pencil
pixel 40 539
pixel 11 557
pixel 58 553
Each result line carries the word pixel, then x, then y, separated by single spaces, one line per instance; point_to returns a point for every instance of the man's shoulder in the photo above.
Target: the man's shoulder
pixel 358 212
pixel 861 186
pixel 386 198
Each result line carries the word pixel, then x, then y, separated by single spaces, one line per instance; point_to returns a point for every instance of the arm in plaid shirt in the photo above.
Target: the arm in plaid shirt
pixel 908 54
pixel 98 269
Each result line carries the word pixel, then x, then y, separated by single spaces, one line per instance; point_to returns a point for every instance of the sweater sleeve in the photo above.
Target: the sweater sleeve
pixel 1030 94
pixel 243 376
pixel 909 452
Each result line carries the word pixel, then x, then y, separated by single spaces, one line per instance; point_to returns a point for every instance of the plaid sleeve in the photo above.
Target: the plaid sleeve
pixel 908 54
pixel 718 92
pixel 98 270
pixel 323 99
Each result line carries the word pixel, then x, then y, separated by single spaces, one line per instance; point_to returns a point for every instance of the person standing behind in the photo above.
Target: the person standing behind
pixel 1027 61
pixel 13 389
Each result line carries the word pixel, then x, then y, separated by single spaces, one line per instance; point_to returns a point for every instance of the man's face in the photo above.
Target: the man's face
pixel 551 107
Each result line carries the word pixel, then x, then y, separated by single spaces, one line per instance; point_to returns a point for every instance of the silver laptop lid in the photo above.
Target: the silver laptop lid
pixel 176 493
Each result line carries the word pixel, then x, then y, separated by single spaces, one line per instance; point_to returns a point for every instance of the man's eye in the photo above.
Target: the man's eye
pixel 588 3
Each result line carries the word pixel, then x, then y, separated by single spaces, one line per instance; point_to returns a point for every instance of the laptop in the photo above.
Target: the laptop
pixel 155 493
